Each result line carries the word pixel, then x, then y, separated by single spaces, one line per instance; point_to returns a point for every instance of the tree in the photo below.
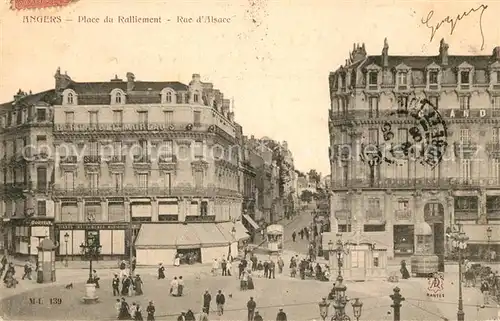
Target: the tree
pixel 314 176
pixel 306 196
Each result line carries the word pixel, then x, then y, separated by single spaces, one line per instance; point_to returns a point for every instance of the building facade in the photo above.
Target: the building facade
pixel 131 162
pixel 26 171
pixel 392 199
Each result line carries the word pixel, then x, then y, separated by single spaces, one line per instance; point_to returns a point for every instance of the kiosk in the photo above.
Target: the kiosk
pixel 274 234
pixel 424 262
pixel 46 261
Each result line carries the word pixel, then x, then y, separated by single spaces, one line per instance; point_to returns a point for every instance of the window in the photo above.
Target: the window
pixel 403 205
pixel 93 181
pixel 496 135
pixel 118 98
pixel 41 178
pixel 118 117
pixel 41 145
pixel 168 150
pixel 143 181
pixel 433 77
pixel 198 178
pixel 464 77
pixel 118 181
pixel 204 208
pixel 41 208
pixel 167 180
pixel 433 209
pixel 19 117
pixel 93 148
pixel 197 118
pixel 168 97
pixel 41 114
pixel 143 117
pixel 373 136
pixel 343 80
pixel 117 149
pixel 465 169
pixel 496 104
pixel 402 79
pixel 70 99
pixel 464 102
pixel 345 173
pixel 494 77
pixel 70 118
pixel 69 181
pixel 403 103
pixel 373 107
pixel 196 97
pixel 93 121
pixel 198 150
pixel 373 78
pixel 169 117
pixel 465 136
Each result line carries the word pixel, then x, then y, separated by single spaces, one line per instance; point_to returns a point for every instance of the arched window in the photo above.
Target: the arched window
pixel 196 97
pixel 70 99
pixel 118 98
pixel 168 97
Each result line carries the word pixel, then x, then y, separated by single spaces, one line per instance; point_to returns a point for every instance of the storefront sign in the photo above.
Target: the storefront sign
pixel 86 226
pixel 31 222
pixel 41 223
pixel 466 113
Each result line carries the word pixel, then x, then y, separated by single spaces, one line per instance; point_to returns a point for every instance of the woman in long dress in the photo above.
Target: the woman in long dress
pixel 161 272
pixel 250 285
pixel 137 312
pixel 131 286
pixel 174 287
pixel 124 311
pixel 125 285
pixel 177 260
pixel 180 286
pixel 404 271
pixel 138 285
pixel 244 281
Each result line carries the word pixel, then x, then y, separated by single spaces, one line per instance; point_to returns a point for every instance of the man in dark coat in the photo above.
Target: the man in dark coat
pixel 151 311
pixel 281 316
pixel 294 235
pixel 272 269
pixel 266 269
pixel 257 316
pixel 224 267
pixel 207 298
pixel 116 284
pixel 220 300
pixel 251 305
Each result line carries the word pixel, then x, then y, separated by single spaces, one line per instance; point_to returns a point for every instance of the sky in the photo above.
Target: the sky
pixel 273 57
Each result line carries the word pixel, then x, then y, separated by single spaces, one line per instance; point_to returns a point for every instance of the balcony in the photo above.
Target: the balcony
pixel 167 163
pixel 403 215
pixel 465 149
pixel 91 159
pixel 117 159
pixel 343 215
pixel 131 127
pixel 141 161
pixel 493 149
pixel 374 214
pixel 419 183
pixel 168 217
pixel 200 218
pixel 144 192
pixel 68 160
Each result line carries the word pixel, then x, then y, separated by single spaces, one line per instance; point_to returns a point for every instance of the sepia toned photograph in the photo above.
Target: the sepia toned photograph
pixel 249 160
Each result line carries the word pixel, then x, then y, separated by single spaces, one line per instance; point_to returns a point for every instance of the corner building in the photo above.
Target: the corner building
pixel 154 164
pixel 392 204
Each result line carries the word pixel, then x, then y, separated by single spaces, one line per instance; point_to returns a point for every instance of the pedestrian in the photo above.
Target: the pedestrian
pixel 182 316
pixel 266 269
pixel 244 281
pixel 215 267
pixel 404 271
pixel 281 316
pixel 207 298
pixel 281 264
pixel 118 306
pixel 180 285
pixel 3 264
pixel 133 264
pixel 294 235
pixel 95 279
pixel 123 273
pixel 229 267
pixel 138 285
pixel 485 290
pixel 251 305
pixel 136 309
pixel 220 300
pixel 204 314
pixel 174 287
pixel 241 268
pixel 125 285
pixel 272 269
pixel 190 315
pixel 224 267
pixel 27 270
pixel 131 286
pixel 124 311
pixel 161 272
pixel 301 233
pixel 150 310
pixel 257 316
pixel 116 285
pixel 250 285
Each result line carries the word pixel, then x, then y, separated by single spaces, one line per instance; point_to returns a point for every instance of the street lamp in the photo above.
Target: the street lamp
pixel 66 239
pixel 488 234
pixel 342 248
pixel 340 300
pixel 356 307
pixel 323 308
pixel 90 250
pixel 459 243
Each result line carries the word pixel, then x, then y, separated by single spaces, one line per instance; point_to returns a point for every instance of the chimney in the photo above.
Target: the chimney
pixel 496 53
pixel 443 52
pixel 130 81
pixel 62 81
pixel 230 116
pixel 225 107
pixel 385 54
pixel 196 77
pixel 20 94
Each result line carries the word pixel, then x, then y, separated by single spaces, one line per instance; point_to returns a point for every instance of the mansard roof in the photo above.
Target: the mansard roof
pixel 47 96
pixel 107 87
pixel 421 62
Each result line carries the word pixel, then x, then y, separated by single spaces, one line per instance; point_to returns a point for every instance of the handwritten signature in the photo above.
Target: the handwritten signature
pixel 454 21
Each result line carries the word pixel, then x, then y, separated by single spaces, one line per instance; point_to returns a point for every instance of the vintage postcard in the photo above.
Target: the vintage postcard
pixel 249 160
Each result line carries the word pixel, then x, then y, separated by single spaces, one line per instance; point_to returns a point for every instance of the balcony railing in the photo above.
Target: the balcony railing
pixel 91 159
pixel 168 217
pixel 137 191
pixel 343 214
pixel 132 127
pixel 118 159
pixel 403 215
pixel 141 159
pixel 200 218
pixel 374 214
pixel 68 159
pixel 420 183
pixel 167 159
pixel 465 148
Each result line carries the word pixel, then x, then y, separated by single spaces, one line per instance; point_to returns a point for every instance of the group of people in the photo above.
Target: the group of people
pixel 130 285
pixel 8 267
pixel 134 312
pixel 307 268
pixel 225 266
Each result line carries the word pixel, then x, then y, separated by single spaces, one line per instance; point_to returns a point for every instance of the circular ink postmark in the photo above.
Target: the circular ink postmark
pixel 422 138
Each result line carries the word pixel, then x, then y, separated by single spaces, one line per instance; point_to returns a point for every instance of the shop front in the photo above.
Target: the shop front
pixel 23 235
pixel 114 239
pixel 404 240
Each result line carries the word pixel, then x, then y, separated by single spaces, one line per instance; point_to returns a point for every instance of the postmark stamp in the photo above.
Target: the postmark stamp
pixel 38 4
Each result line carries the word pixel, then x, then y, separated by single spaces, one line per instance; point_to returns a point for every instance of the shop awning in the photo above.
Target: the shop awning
pixel 251 221
pixel 240 232
pixel 209 235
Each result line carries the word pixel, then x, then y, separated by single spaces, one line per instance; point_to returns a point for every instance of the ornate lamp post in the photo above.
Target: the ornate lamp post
pixel 340 301
pixel 90 250
pixel 323 308
pixel 397 298
pixel 459 243
pixel 66 239
pixel 488 234
pixel 356 307
pixel 342 248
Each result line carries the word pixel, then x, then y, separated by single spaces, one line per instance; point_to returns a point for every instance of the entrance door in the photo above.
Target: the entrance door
pixel 438 233
pixel 434 216
pixel 358 265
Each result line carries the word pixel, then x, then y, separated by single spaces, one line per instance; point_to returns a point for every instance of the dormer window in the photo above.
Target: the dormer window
pixel 373 78
pixel 372 75
pixel 433 77
pixel 494 70
pixel 168 96
pixel 343 81
pixel 402 76
pixel 464 77
pixel 70 99
pixel 403 79
pixel 196 98
pixel 117 97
